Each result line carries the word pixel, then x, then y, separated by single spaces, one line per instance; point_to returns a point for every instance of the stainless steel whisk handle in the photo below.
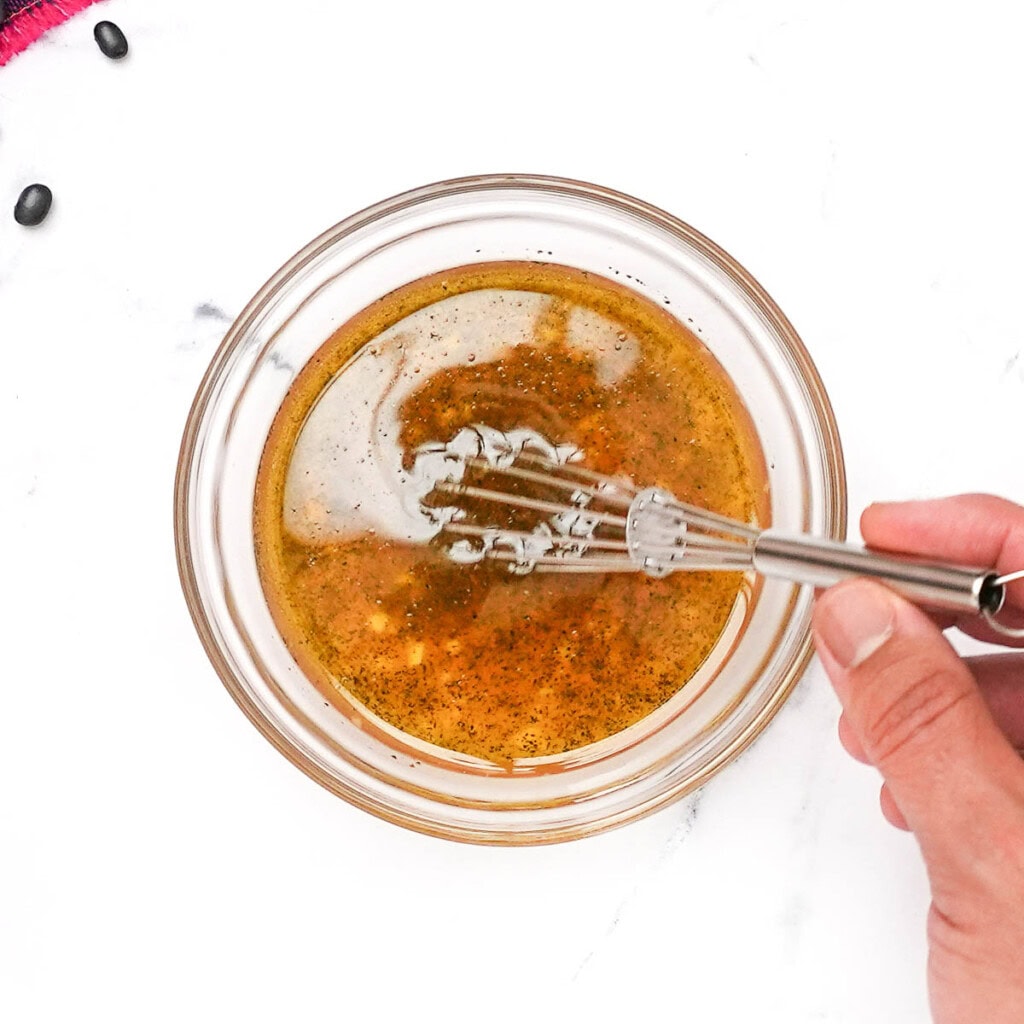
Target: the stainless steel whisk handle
pixel 821 563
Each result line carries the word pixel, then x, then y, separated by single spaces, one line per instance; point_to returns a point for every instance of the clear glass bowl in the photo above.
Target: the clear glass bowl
pixel 764 648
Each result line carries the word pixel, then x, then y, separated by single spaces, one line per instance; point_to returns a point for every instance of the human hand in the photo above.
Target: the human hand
pixel 946 733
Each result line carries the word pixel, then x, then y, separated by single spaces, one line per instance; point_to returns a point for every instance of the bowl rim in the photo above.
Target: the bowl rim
pixel 835 510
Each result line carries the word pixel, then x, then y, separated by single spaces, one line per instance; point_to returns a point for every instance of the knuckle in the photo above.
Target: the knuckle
pixel 953 929
pixel 900 715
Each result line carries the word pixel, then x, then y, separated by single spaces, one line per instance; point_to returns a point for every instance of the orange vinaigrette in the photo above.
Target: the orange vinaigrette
pixel 472 657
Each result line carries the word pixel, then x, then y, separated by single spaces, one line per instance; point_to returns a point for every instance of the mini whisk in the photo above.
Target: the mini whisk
pixel 521 500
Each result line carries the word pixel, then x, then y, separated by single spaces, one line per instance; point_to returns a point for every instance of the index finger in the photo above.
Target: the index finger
pixel 972 529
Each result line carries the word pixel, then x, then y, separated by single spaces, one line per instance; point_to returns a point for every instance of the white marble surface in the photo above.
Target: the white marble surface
pixel 159 861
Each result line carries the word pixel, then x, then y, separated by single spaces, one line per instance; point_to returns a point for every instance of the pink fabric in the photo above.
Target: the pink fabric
pixel 27 20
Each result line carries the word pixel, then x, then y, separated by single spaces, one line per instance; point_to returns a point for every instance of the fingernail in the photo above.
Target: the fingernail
pixel 853 621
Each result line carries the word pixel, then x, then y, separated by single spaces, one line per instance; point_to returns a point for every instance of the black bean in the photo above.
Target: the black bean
pixel 111 40
pixel 33 205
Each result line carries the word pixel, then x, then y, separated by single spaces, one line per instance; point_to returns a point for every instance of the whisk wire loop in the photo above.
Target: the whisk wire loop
pixel 543 511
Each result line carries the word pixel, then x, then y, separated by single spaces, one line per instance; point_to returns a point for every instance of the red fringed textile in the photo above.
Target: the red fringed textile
pixel 27 20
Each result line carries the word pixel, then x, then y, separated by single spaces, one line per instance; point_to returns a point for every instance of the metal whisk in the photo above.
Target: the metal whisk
pixel 521 500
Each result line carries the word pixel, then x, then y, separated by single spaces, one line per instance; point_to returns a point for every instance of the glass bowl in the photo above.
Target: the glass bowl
pixel 763 649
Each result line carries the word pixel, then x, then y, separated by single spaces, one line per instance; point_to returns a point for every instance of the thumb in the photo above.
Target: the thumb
pixel 921 720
